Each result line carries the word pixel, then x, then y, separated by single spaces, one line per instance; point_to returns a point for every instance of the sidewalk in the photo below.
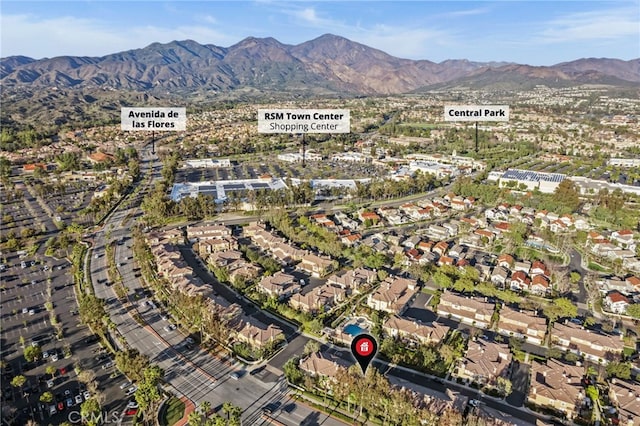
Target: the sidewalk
pixel 189 407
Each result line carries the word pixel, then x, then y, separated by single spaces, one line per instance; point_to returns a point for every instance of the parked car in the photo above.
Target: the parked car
pixel 69 402
pixel 131 412
pixel 86 395
pixel 78 399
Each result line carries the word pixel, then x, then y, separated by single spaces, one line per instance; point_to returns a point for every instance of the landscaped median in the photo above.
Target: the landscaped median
pixel 172 411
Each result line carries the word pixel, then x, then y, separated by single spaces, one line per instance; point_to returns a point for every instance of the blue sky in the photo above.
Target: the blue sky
pixel 536 33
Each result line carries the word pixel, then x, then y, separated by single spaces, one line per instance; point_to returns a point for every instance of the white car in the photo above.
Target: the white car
pixel 45 354
pixel 86 395
pixel 54 357
pixel 474 403
pixel 131 390
pixel 78 399
pixel 125 385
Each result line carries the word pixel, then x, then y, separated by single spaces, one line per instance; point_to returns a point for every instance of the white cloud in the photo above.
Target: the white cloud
pixel 593 25
pixel 208 19
pixel 401 41
pixel 46 37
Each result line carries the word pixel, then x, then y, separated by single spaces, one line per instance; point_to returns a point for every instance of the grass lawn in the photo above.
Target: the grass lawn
pixel 596 267
pixel 172 412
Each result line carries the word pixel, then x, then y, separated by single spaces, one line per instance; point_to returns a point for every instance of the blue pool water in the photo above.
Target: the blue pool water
pixel 354 330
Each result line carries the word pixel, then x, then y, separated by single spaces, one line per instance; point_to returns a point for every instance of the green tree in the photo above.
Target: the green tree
pixel 18 381
pixel 148 394
pixel 312 346
pixel 132 363
pixel 634 310
pixel 504 386
pixel 292 371
pixel 50 370
pixel 32 353
pixel 560 308
pixel 46 397
pixel 90 409
pixel 621 370
pixel 567 194
pixel 92 312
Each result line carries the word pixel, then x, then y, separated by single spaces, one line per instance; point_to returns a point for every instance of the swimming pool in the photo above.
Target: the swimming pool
pixel 354 329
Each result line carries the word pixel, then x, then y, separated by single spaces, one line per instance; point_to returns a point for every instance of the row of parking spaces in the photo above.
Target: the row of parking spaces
pixel 315 169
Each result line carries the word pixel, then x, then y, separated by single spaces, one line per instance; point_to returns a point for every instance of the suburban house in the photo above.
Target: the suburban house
pixel 626 397
pixel 279 285
pixel 484 362
pixel 519 281
pixel 316 265
pixel 524 325
pixel 257 335
pixel 465 309
pixel 500 276
pixel 414 331
pixel 320 299
pixel 590 344
pixel 616 302
pixel 540 285
pixel 323 365
pixel 207 232
pixel 286 253
pixel 353 279
pixel 393 295
pixel 557 385
pixel 211 245
pixel 624 238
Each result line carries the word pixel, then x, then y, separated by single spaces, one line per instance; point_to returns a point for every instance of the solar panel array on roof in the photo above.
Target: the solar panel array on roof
pixel 260 185
pixel 232 187
pixel 552 177
pixel 527 175
pixel 203 188
pixel 523 175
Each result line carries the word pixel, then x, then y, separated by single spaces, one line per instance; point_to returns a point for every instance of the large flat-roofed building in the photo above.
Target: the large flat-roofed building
pixel 219 190
pixel 296 157
pixel 207 163
pixel 543 182
pixel 624 162
pixel 431 167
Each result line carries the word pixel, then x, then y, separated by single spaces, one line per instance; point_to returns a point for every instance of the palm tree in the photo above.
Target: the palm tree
pixel 194 419
pixel 227 408
pixel 205 407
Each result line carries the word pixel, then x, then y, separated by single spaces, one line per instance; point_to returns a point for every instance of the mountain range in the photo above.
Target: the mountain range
pixel 328 64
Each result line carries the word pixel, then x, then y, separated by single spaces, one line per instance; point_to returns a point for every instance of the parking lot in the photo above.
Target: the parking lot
pixel 268 166
pixel 36 289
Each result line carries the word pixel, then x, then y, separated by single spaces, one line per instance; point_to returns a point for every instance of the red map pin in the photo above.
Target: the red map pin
pixel 364 348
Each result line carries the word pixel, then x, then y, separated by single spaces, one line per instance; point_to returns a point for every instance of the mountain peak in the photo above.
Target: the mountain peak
pixel 327 63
